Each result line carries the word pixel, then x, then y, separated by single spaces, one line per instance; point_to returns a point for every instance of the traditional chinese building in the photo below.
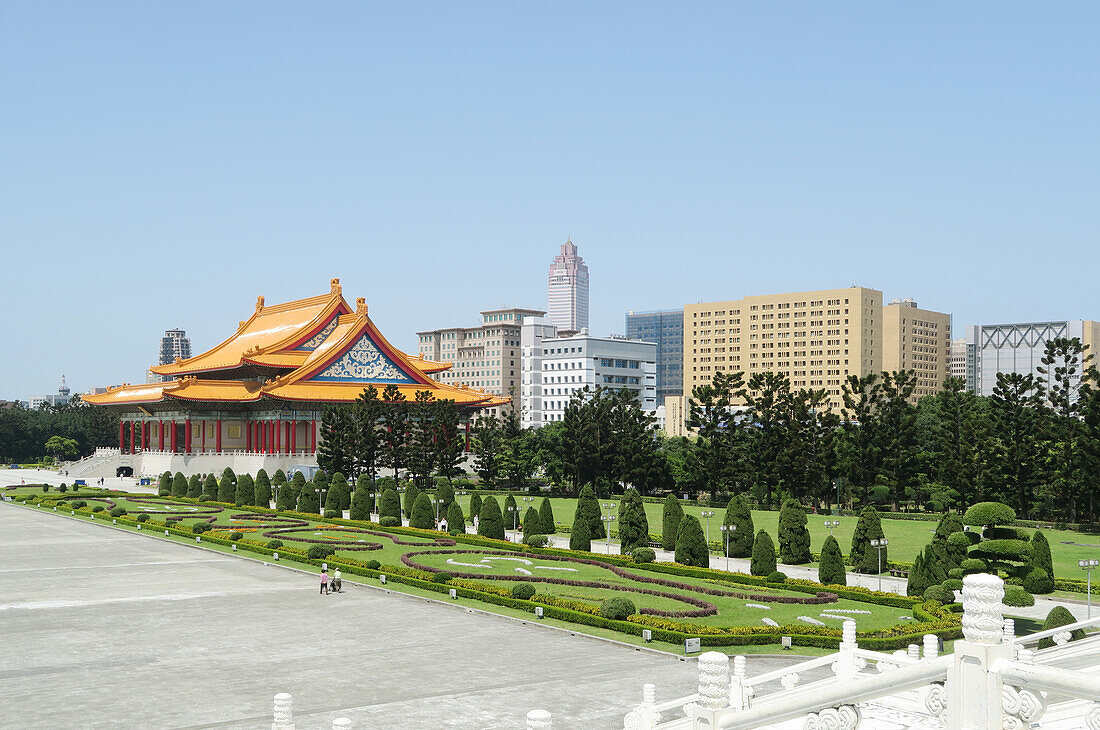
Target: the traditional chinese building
pixel 255 400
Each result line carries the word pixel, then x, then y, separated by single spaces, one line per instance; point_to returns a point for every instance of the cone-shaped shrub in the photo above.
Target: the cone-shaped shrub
pixel 179 485
pixel 297 482
pixel 1038 581
pixel 691 544
pixel 1040 554
pixel 456 522
pixel 1059 616
pixel 360 504
pixel 246 491
pixel 279 477
pixel 363 484
pixel 633 525
pixel 389 505
pixel 227 491
pixel 510 512
pixel 227 473
pixel 671 515
pixel 490 523
pixel 423 517
pixel 475 506
pixel 262 488
pixel 532 524
pixel 830 571
pixel 546 514
pixel 740 539
pixel 286 496
pixel 307 500
pixel 411 493
pixel 920 573
pixel 794 538
pixel 589 506
pixel 579 537
pixel 194 487
pixel 343 492
pixel 863 557
pixel 210 487
pixel 332 503
pixel 763 555
pixel 164 485
pixel 446 492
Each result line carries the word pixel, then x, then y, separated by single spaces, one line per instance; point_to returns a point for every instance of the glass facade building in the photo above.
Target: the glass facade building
pixel 666 328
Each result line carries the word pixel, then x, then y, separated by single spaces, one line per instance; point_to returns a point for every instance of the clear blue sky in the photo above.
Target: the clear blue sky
pixel 161 164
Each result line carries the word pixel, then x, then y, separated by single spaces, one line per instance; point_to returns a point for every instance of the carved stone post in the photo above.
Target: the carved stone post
pixel 931 646
pixel 846 661
pixel 913 651
pixel 538 720
pixel 973 692
pixel 283 716
pixel 714 688
pixel 740 693
pixel 644 717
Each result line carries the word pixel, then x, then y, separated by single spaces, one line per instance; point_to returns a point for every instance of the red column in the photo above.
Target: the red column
pixel 121 436
pixel 187 436
pixel 133 437
pixel 278 440
pixel 172 435
pixel 467 435
pixel 268 440
pixel 313 436
pixel 160 435
pixel 218 436
pixel 293 436
pixel 144 432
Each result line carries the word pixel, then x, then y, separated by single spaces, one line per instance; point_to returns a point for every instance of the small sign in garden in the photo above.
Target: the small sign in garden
pixel 693 646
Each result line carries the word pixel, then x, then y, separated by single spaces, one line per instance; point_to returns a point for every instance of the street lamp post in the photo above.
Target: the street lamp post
pixel 879 544
pixel 608 518
pixel 1087 566
pixel 831 524
pixel 320 503
pixel 726 530
pixel 707 514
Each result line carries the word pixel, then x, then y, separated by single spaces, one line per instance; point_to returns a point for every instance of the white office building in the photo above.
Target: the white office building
pixel 1019 347
pixel 554 368
pixel 569 290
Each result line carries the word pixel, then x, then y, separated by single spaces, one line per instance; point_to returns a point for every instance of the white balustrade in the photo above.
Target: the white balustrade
pixel 283 718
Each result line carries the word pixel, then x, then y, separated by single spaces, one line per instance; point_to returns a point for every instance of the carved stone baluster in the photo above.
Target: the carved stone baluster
pixel 714 680
pixel 644 717
pixel 283 717
pixel 341 723
pixel 538 720
pixel 1021 707
pixel 913 651
pixel 931 646
pixel 845 717
pixel 739 698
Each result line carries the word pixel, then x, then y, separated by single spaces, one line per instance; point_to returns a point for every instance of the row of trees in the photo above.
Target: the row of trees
pixel 25 433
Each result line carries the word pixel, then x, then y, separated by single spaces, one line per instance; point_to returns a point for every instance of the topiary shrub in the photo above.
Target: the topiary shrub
pixel 97 508
pixel 194 487
pixel 777 577
pixel 920 575
pixel 952 584
pixel 643 555
pixel 389 521
pixel 740 540
pixel 941 594
pixel 246 491
pixel 863 557
pixel 456 521
pixel 691 544
pixel 956 573
pixel 546 516
pixel 633 524
pixel 389 505
pixel 617 609
pixel 200 527
pixel 830 571
pixel 361 503
pixel 1040 554
pixel 261 490
pixel 164 485
pixel 763 555
pixel 1038 580
pixel 274 544
pixel 475 506
pixel 227 490
pixel 143 517
pixel 372 564
pixel 974 565
pixel 532 523
pixel 236 535
pixel 671 514
pixel 64 488
pixel 318 551
pixel 579 537
pixel 1059 616
pixel 523 591
pixel 588 507
pixel 490 522
pixel 1017 597
pixel 179 485
pixel 118 511
pixel 984 514
pixel 537 541
pixel 411 493
pixel 423 517
pixel 441 577
pixel 210 488
pixel 794 537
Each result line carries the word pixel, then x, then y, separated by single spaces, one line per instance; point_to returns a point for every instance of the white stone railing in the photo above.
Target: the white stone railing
pixel 283 717
pixel 990 682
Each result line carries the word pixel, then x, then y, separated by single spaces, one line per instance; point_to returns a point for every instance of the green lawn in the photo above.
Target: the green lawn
pixel 907 537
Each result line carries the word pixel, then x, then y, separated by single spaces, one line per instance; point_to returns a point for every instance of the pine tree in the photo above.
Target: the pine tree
pixel 830 571
pixel 179 485
pixel 456 521
pixel 863 557
pixel 794 538
pixel 194 487
pixel 336 449
pixel 921 573
pixel 490 523
pixel 361 504
pixel 263 489
pixel 588 505
pixel 691 544
pixel 579 537
pixel 670 522
pixel 546 514
pixel 510 513
pixel 422 517
pixel 308 500
pixel 210 488
pixel 532 524
pixel 740 539
pixel 246 491
pixel 389 505
pixel 633 525
pixel 763 555
pixel 227 491
pixel 411 494
pixel 164 485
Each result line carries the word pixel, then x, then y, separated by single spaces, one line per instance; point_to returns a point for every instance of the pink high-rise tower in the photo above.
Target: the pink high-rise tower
pixel 569 289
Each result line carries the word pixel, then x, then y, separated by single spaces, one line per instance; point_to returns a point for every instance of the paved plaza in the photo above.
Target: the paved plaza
pixel 101 628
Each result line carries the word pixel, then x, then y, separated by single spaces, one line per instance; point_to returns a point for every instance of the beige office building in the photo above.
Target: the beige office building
pixel 918 340
pixel 486 357
pixel 817 339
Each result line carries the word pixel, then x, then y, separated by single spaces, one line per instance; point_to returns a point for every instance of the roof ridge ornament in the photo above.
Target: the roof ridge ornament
pixel 335 284
pixel 361 306
pixel 259 302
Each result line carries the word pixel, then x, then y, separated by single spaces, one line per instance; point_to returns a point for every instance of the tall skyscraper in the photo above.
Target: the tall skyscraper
pixel 569 290
pixel 174 345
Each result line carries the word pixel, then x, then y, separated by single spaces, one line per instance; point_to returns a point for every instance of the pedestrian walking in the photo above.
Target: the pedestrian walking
pixel 324 582
pixel 337 582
